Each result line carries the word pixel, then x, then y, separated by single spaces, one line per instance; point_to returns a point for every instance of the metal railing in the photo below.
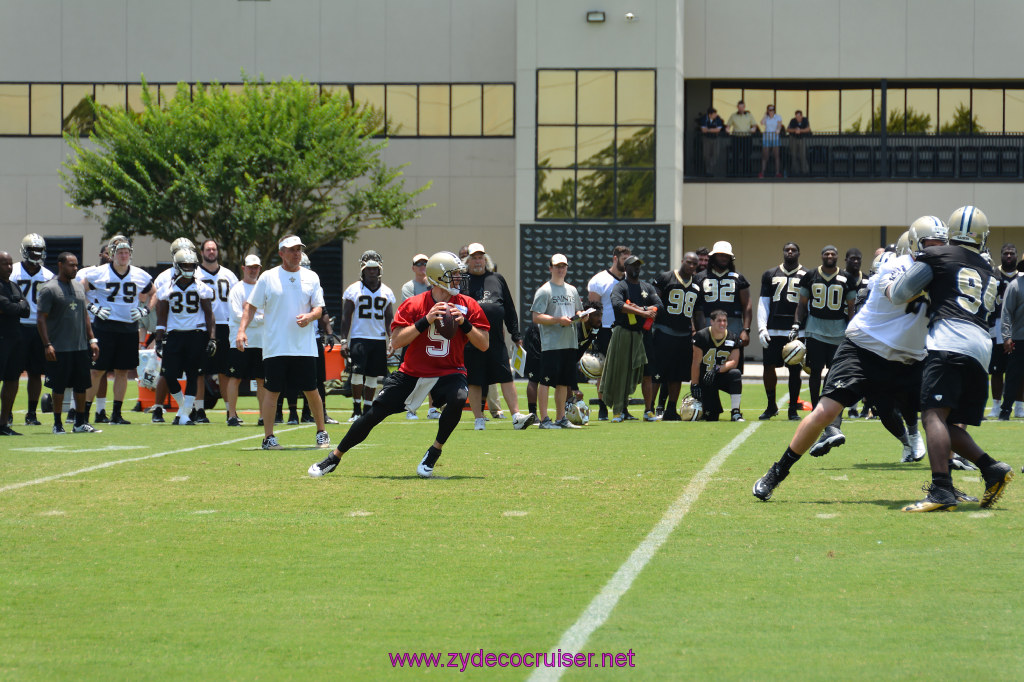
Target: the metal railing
pixel 862 157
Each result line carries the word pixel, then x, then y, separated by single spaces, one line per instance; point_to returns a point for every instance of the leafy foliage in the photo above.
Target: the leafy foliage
pixel 243 168
pixel 916 123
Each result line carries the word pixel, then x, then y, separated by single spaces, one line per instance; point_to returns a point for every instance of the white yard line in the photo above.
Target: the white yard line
pixel 601 607
pixel 107 465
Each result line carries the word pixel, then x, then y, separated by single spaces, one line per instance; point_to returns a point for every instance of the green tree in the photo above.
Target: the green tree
pixel 916 124
pixel 962 123
pixel 244 169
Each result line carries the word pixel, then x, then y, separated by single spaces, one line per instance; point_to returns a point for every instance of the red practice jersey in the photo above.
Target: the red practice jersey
pixel 430 354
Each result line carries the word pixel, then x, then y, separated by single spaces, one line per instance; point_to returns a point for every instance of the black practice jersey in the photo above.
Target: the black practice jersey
pixel 714 353
pixel 782 289
pixel 962 287
pixel 1002 281
pixel 585 337
pixel 827 294
pixel 679 299
pixel 722 291
pixel 491 291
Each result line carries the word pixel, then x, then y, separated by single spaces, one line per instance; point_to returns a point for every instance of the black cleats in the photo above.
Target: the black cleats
pixel 830 438
pixel 30 420
pixel 766 485
pixel 938 499
pixel 158 415
pixel 200 417
pixel 769 412
pixel 101 417
pixel 118 419
pixel 233 421
pixel 325 466
pixel 996 478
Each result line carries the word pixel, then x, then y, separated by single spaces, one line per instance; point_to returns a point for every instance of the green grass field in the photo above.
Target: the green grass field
pixel 228 562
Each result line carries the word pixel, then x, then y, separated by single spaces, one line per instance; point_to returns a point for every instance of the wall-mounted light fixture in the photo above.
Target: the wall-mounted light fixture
pixel 630 17
pixel 596 17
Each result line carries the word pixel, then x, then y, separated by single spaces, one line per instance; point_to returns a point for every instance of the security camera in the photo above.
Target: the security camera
pixel 630 16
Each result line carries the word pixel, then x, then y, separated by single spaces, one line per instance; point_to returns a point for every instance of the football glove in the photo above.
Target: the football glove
pixel 793 331
pixel 330 341
pixel 99 312
pixel 159 347
pixel 697 392
pixel 765 337
pixel 139 313
pixel 709 377
pixel 211 347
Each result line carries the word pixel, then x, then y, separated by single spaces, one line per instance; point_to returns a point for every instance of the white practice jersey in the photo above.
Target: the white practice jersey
pixel 602 284
pixel 184 311
pixel 237 297
pixel 368 317
pixel 221 284
pixel 91 295
pixel 29 284
pixel 163 278
pixel 120 293
pixel 885 328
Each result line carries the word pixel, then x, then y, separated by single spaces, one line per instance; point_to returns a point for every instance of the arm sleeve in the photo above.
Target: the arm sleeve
pixel 14 305
pixel 618 296
pixel 762 312
pixel 910 283
pixel 653 293
pixel 540 301
pixel 1006 317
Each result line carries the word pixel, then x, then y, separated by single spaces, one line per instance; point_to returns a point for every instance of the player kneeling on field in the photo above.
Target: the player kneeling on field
pixel 716 356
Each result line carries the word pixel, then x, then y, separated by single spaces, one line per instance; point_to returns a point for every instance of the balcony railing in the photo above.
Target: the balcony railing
pixel 863 157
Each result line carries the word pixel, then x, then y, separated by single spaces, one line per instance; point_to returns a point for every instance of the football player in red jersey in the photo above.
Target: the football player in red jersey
pixel 432 364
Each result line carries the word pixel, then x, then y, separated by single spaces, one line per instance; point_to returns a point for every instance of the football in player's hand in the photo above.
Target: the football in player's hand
pixel 445 324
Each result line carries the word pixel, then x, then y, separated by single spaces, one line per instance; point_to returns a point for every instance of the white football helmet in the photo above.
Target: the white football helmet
pixel 880 260
pixel 185 263
pixel 968 226
pixel 903 244
pixel 572 412
pixel 304 262
pixel 446 270
pixel 182 243
pixel 33 248
pixel 793 352
pixel 691 409
pixel 926 227
pixel 371 259
pixel 591 365
pixel 118 242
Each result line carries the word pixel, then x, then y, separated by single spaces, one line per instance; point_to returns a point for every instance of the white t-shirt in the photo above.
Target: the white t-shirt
pixel 772 124
pixel 29 285
pixel 602 284
pixel 237 297
pixel 368 316
pixel 283 295
pixel 120 293
pixel 221 283
pixel 184 310
pixel 885 328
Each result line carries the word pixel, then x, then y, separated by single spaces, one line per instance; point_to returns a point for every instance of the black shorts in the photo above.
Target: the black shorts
pixel 70 370
pixel 10 356
pixel 484 368
pixel 673 356
pixel 954 381
pixel 289 373
pixel 218 363
pixel 773 353
pixel 245 364
pixel 321 362
pixel 368 357
pixel 451 389
pixel 604 337
pixel 33 355
pixel 651 367
pixel 558 367
pixel 819 354
pixel 183 354
pixel 736 325
pixel 997 365
pixel 532 367
pixel 858 373
pixel 117 350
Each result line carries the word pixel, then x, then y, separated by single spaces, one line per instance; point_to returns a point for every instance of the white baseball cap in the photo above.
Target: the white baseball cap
pixel 722 247
pixel 252 259
pixel 476 247
pixel 289 242
pixel 418 257
pixel 559 259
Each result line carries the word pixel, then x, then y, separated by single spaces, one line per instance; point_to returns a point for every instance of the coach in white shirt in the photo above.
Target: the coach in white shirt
pixel 291 299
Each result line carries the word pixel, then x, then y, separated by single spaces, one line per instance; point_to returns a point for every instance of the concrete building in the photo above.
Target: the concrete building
pixel 584 136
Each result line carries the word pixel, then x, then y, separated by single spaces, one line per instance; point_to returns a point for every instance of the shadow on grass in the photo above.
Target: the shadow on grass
pixel 885 466
pixel 890 504
pixel 414 477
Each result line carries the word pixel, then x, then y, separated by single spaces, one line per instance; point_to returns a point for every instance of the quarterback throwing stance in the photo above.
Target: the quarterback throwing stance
pixel 433 363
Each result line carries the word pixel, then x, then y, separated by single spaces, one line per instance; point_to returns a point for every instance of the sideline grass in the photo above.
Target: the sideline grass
pixel 229 562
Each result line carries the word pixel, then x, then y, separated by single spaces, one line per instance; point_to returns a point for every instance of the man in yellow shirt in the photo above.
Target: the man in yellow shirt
pixel 740 125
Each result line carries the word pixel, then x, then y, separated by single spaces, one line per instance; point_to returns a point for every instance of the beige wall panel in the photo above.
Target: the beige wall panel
pixel 428 158
pixel 695 203
pixel 288 36
pixel 27 156
pixel 804 204
pixel 872 39
pixel 997 33
pixel 44 199
pixel 735 205
pixel 1003 204
pixel 695 44
pixel 30 38
pixel 871 203
pixel 482 201
pixel 940 44
pixel 738 38
pixel 13 192
pixel 352 41
pixel 417 39
pixel 483 158
pixel 92 40
pixel 564 38
pixel 799 51
pixel 157 41
pixel 937 199
pixel 223 40
pixel 483 40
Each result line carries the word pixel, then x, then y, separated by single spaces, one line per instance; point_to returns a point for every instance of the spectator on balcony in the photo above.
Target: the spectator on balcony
pixel 740 125
pixel 711 126
pixel 799 128
pixel 772 125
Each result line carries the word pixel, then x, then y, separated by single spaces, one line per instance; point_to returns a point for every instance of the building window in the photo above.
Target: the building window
pixel 410 109
pixel 595 144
